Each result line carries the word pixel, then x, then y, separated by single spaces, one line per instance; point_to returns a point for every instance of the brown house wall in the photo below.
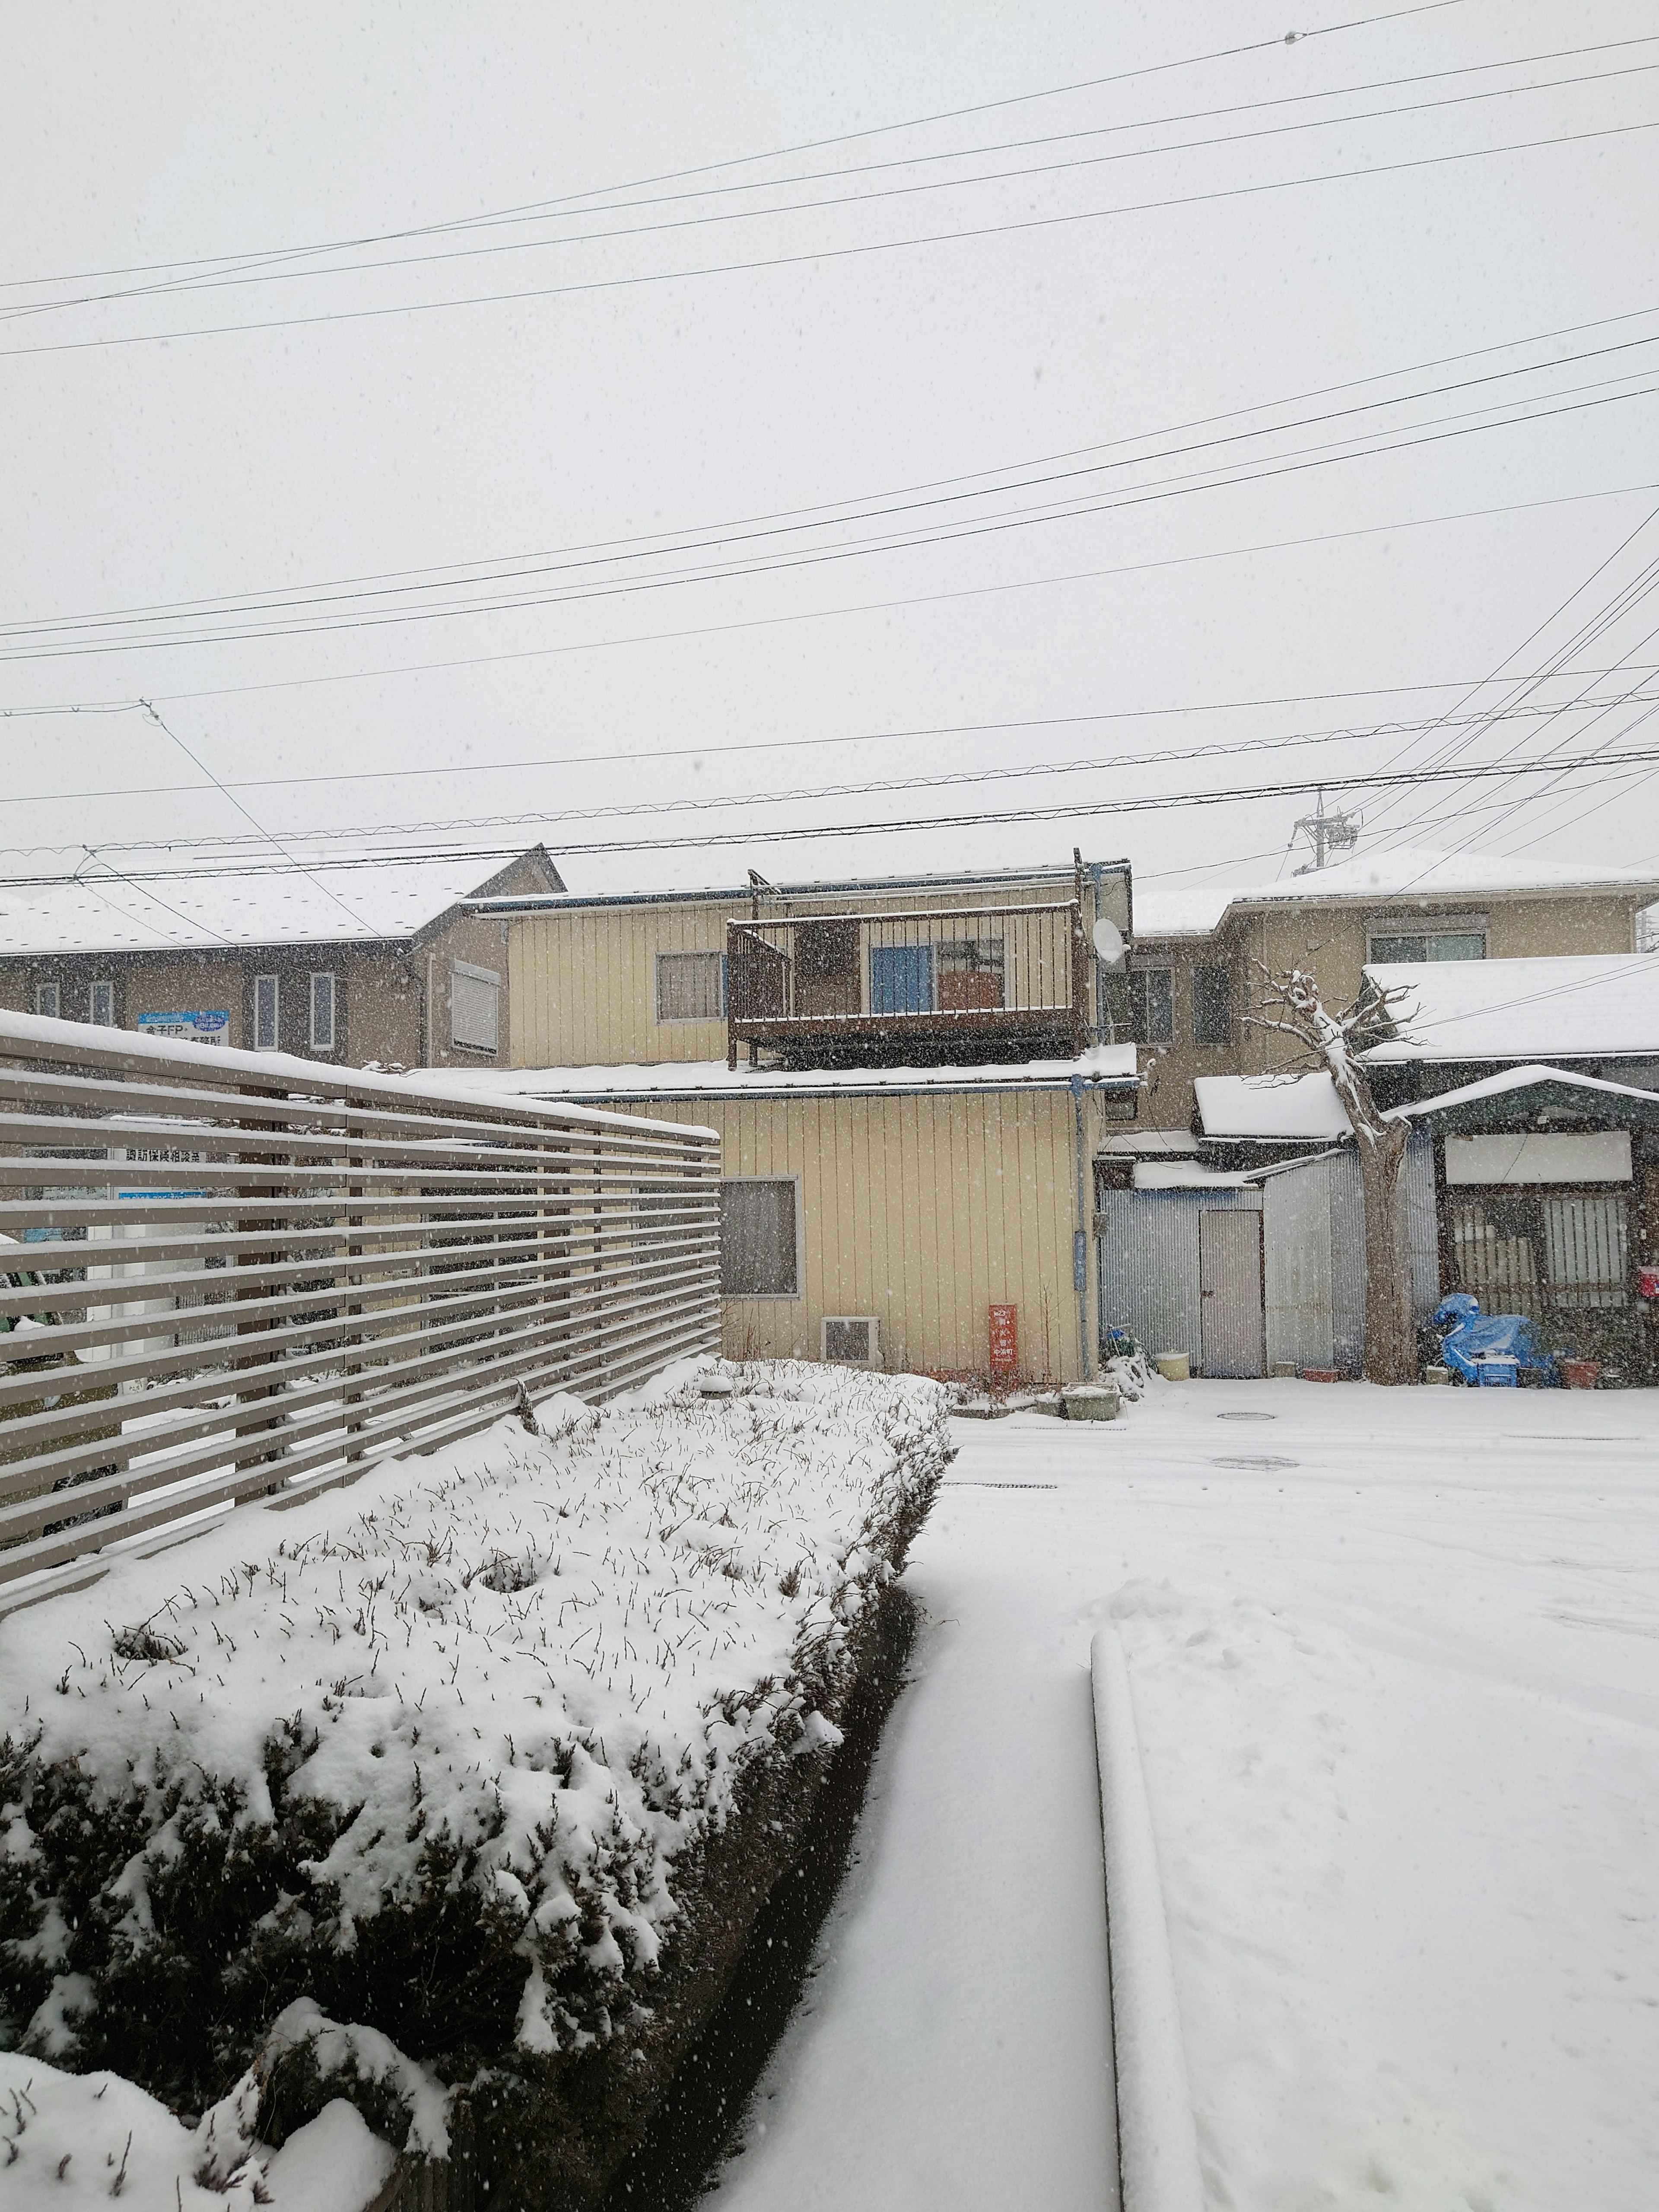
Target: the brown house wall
pixel 1330 943
pixel 479 939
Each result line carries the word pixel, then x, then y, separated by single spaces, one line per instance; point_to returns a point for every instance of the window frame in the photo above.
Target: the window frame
pixel 103 1021
pixel 1166 969
pixel 1212 968
pixel 54 992
pixel 687 952
pixel 472 973
pixel 1380 928
pixel 275 1042
pixel 332 1042
pixel 768 1298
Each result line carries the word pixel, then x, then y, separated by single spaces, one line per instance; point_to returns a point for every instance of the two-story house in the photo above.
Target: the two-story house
pixel 363 965
pixel 909 1079
pixel 1197 957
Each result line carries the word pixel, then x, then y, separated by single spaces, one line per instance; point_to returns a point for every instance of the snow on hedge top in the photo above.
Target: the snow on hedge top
pixel 556 1651
pixel 69 2143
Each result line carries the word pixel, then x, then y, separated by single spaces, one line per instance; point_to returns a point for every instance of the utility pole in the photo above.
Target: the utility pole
pixel 1335 832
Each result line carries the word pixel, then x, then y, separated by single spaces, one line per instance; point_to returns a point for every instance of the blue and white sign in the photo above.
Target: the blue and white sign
pixel 209 1028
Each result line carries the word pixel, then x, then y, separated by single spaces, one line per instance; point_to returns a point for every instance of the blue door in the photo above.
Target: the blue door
pixel 900 978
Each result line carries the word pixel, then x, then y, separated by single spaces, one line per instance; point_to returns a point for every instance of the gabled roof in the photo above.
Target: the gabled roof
pixel 1606 1008
pixel 1407 878
pixel 1530 1091
pixel 943 882
pixel 225 906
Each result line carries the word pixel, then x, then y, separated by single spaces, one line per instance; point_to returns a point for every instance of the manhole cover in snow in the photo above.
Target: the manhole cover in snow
pixel 1264 1465
pixel 1247 1417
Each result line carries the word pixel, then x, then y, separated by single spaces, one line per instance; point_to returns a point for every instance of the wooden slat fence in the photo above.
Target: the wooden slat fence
pixel 262 1275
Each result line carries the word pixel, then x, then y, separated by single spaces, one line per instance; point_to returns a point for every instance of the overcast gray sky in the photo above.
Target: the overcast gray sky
pixel 651 387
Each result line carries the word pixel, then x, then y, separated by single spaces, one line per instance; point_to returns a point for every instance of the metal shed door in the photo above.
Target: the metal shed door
pixel 1229 1289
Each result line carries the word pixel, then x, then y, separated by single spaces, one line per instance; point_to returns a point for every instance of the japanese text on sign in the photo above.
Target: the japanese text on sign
pixel 1004 1339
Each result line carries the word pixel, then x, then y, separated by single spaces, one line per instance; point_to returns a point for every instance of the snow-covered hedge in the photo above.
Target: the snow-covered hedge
pixel 494 1753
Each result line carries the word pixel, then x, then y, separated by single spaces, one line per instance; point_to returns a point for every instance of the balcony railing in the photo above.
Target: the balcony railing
pixel 998 980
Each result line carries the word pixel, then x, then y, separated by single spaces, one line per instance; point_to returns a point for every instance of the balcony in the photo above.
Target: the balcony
pixel 969 983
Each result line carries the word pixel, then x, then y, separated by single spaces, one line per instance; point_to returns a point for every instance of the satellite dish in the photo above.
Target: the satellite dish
pixel 1108 943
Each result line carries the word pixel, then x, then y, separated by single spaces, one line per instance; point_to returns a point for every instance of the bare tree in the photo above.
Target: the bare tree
pixel 1291 1006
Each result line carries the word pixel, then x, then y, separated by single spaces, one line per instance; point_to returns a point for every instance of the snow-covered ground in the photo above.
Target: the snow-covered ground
pixel 1395 1660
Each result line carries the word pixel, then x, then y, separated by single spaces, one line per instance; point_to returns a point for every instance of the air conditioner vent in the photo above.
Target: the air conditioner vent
pixel 851 1340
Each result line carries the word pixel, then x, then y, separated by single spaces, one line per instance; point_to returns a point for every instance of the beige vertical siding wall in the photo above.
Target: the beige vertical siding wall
pixel 1330 943
pixel 923 1211
pixel 584 987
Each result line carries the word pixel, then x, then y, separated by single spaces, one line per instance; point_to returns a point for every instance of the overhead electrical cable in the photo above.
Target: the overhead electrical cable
pixel 1538 630
pixel 514 569
pixel 528 209
pixel 821 255
pixel 1161 490
pixel 1164 802
pixel 264 834
pixel 194 287
pixel 564 761
pixel 623 810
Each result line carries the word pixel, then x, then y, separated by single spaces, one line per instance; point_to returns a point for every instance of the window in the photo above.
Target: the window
pixel 474 1007
pixel 760 1238
pixel 970 974
pixel 900 978
pixel 100 1004
pixel 690 987
pixel 1431 944
pixel 1152 1005
pixel 46 1000
pixel 322 1013
pixel 267 1013
pixel 1213 1006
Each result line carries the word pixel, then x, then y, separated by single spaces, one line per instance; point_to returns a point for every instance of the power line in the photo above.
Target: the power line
pixel 931 780
pixel 196 760
pixel 824 254
pixel 1151 803
pixel 564 761
pixel 517 568
pixel 1179 487
pixel 1587 633
pixel 237 278
pixel 528 209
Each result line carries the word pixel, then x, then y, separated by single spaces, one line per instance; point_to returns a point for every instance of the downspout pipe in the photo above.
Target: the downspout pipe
pixel 1080 1237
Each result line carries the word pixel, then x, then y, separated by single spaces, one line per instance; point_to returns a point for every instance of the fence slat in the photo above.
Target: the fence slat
pixel 320 1270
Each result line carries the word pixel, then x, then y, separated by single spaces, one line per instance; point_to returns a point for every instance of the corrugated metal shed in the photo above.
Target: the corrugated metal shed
pixel 1313 1232
pixel 1150 1280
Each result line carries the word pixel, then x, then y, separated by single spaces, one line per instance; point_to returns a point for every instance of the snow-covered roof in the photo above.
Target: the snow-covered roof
pixel 1525 1078
pixel 712 1079
pixel 1272 1106
pixel 103 913
pixel 945 882
pixel 1410 876
pixel 1184 1174
pixel 1531 1010
pixel 1150 1144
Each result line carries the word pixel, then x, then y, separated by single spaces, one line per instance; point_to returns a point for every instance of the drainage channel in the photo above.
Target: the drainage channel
pixel 676 2161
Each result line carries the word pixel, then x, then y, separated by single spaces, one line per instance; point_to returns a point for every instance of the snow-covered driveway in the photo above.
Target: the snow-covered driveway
pixel 1395 1656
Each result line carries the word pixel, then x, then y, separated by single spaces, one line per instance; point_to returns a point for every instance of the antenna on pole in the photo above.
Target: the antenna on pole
pixel 1335 832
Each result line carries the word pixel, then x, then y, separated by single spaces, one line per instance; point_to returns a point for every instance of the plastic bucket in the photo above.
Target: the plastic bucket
pixel 1174 1366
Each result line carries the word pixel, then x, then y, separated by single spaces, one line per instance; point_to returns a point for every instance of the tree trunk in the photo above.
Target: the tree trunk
pixel 1390 1324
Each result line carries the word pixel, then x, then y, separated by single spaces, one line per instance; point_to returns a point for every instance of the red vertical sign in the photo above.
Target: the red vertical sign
pixel 1004 1339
